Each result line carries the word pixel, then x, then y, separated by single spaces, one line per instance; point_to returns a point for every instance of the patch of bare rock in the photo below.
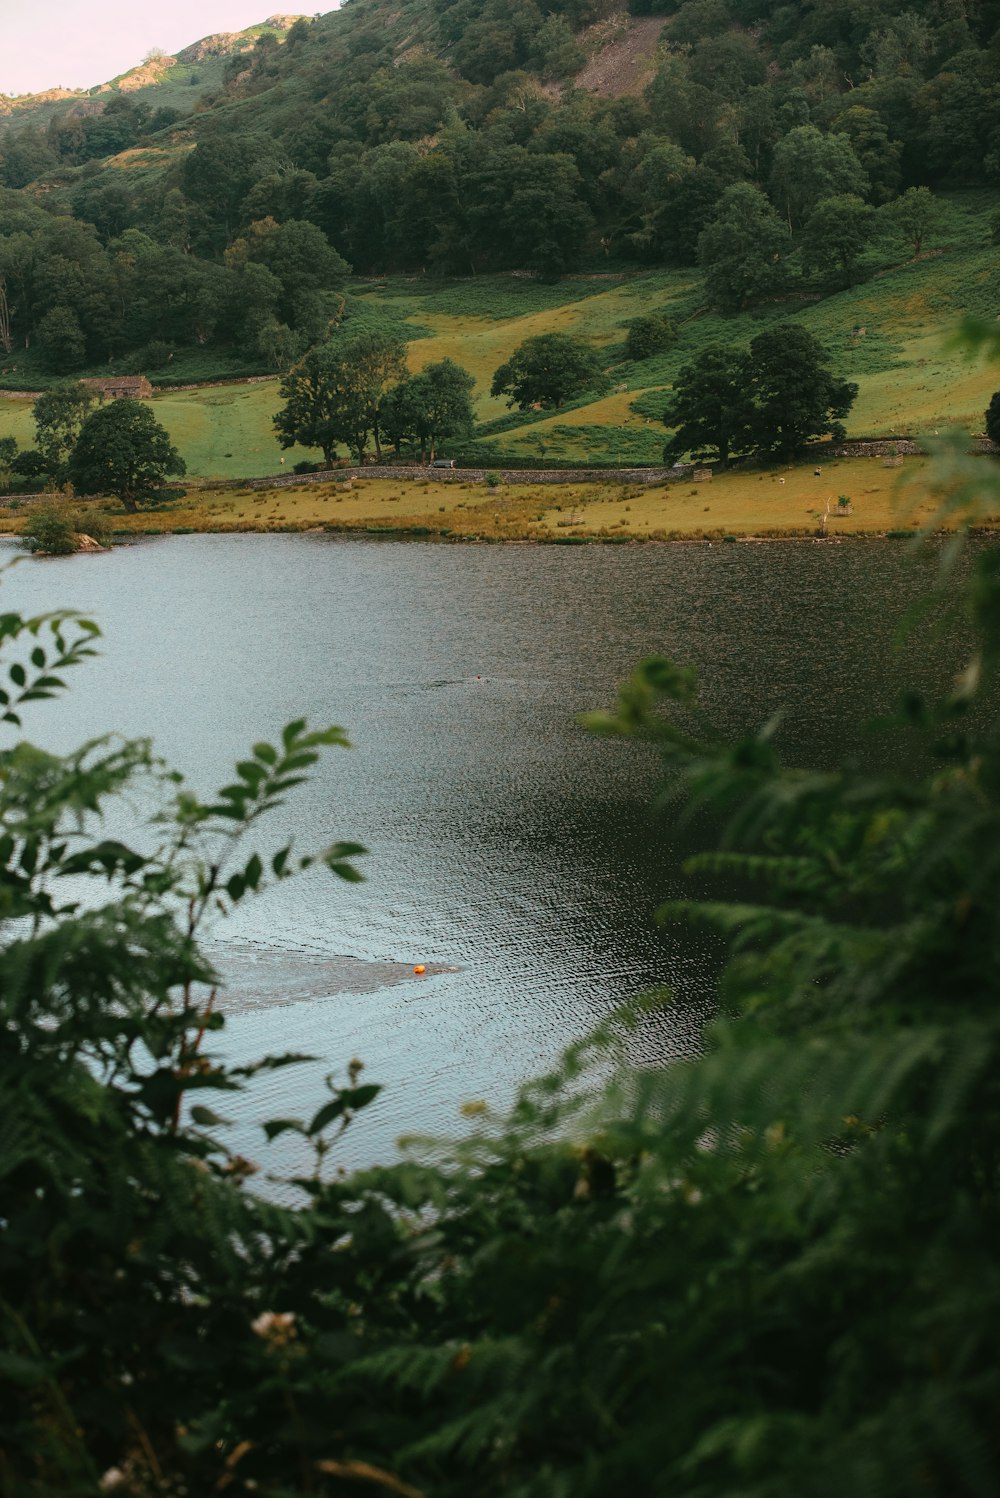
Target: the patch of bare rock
pixel 623 61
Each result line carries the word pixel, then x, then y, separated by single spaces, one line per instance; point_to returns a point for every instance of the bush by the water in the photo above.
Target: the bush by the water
pixel 50 530
pixel 767 1270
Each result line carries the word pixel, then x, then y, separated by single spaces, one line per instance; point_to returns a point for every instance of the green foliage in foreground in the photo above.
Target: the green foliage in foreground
pixel 770 1270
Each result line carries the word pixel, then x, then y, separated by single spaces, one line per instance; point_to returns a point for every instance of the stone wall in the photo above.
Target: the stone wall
pixel 903 447
pixel 466 476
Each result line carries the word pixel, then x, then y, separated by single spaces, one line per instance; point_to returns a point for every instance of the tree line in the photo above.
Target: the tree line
pixel 81 302
pixel 355 390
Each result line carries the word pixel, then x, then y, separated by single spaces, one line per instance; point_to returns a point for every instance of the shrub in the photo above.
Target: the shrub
pixel 50 531
pixel 992 419
pixel 649 335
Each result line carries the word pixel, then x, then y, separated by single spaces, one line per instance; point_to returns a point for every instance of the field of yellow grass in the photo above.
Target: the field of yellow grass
pixel 483 343
pixel 778 502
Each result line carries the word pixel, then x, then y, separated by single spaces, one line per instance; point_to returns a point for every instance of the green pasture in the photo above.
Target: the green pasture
pixel 15 421
pixel 223 432
pixel 892 334
pixel 226 432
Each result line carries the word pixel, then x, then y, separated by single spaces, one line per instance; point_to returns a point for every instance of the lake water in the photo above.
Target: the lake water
pixel 508 848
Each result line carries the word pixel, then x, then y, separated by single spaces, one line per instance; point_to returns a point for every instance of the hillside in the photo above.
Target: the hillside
pixel 727 164
pixel 164 80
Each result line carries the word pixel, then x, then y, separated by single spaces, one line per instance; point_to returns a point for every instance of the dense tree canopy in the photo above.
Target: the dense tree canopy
pixel 741 249
pixel 993 418
pixel 836 235
pixel 336 392
pixel 796 396
pixel 431 141
pixel 548 370
pixel 772 398
pixel 429 407
pixel 123 450
pixel 710 409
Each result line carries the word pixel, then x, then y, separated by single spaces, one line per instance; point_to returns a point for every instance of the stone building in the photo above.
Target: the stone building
pixel 121 387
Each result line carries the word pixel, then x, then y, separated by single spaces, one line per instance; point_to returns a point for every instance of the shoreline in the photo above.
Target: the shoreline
pixel 407 535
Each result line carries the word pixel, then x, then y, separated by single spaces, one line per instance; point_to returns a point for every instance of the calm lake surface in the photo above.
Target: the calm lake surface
pixel 506 844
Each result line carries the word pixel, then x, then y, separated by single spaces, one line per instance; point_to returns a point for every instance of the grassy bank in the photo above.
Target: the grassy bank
pixel 769 502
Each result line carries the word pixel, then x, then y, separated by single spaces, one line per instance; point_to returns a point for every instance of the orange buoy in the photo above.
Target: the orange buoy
pixel 420 968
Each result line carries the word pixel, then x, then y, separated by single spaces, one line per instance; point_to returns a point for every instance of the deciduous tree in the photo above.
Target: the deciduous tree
pixel 377 361
pixel 123 450
pixel 771 398
pixel 836 235
pixel 548 371
pixel 335 392
pixel 810 166
pixel 993 419
pixel 711 407
pixel 323 406
pixel 441 401
pixel 795 395
pixel 649 335
pixel 914 215
pixel 741 249
pixel 62 340
pixel 59 415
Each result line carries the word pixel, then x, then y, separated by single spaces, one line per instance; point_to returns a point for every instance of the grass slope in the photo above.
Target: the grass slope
pixel 910 378
pixel 223 432
pixel 179 84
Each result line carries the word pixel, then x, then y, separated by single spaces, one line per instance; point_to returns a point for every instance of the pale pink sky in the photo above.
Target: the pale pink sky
pixel 78 43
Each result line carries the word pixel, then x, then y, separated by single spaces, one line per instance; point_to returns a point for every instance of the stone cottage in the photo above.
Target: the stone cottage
pixel 121 387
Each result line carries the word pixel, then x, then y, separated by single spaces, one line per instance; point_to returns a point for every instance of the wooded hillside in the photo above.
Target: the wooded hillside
pixel 771 146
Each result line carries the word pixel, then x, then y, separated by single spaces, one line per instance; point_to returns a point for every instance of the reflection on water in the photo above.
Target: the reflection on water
pixel 511 853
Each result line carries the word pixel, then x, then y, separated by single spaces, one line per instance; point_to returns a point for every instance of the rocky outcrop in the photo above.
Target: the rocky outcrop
pixel 226 43
pixel 28 101
pixel 146 75
pixel 220 44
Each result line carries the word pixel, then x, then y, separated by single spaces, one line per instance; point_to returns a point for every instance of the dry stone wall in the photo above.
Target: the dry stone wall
pixel 467 476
